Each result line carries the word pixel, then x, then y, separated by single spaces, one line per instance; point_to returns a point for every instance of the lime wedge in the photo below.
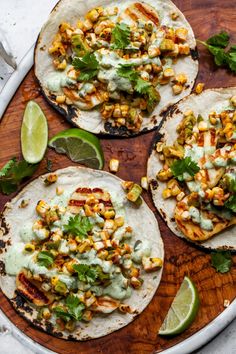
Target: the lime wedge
pixel 80 146
pixel 183 309
pixel 34 133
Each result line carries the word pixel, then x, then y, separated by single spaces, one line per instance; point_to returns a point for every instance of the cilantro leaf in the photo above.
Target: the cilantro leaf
pixel 219 40
pixel 221 261
pixel 87 65
pixel 13 172
pixel 186 165
pixel 120 36
pixel 45 258
pixel 216 46
pixel 231 203
pixel 75 307
pixel 128 72
pixel 141 86
pixel 61 313
pixel 86 273
pixel 78 225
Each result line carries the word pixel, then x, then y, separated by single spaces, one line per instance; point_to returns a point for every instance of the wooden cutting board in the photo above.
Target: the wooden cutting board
pixel 181 258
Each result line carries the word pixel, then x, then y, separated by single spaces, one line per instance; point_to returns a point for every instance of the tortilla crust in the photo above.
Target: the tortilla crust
pixel 201 104
pixel 69 179
pixel 72 10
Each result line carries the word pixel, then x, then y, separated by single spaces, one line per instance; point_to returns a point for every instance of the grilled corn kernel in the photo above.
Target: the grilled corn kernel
pixel 185 215
pixel 46 314
pixel 177 89
pixel 181 34
pixel 54 280
pixel 127 185
pixel 153 52
pixel 87 316
pixel 180 196
pixel 102 254
pixel 184 49
pixel 88 210
pixel 164 175
pixel 199 88
pixel 52 178
pixel 159 146
pixel 134 193
pixel 109 214
pixel 42 208
pixel 202 126
pixel 60 99
pixel 175 191
pixel 174 16
pixel 180 79
pixel 151 264
pixel 24 203
pixel 92 15
pixel 135 282
pixel 144 183
pixel 59 191
pixel 156 69
pixel 88 25
pixel 29 247
pixel 167 45
pixel 62 65
pixel 46 286
pixel 114 165
pixel 166 193
pixel 119 221
pixel 233 100
pixel 168 73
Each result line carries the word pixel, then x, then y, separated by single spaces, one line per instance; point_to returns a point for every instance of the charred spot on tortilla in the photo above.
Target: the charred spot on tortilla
pixel 2 268
pixel 194 53
pixel 154 184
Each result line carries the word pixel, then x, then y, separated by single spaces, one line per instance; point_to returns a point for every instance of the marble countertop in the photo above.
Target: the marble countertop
pixel 23 18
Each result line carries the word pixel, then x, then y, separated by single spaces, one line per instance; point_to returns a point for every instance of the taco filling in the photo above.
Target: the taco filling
pixel 119 60
pixel 199 171
pixel 76 259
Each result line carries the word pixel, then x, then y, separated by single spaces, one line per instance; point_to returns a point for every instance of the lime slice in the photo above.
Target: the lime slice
pixel 80 146
pixel 183 309
pixel 34 133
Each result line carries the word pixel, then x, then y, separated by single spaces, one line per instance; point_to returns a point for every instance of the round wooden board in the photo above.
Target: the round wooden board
pixel 181 258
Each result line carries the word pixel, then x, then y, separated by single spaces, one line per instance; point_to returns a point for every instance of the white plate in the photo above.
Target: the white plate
pixel 187 346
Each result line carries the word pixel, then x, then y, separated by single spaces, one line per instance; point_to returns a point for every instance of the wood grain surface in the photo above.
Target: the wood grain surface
pixel 206 17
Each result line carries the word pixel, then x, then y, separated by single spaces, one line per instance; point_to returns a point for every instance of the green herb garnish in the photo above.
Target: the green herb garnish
pixel 141 86
pixel 216 46
pixel 78 225
pixel 221 261
pixel 231 203
pixel 74 309
pixel 45 258
pixel 86 273
pixel 120 36
pixel 87 65
pixel 186 165
pixel 12 174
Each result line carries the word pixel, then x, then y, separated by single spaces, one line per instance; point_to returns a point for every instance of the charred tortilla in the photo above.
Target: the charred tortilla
pixel 103 108
pixel 200 127
pixel 29 290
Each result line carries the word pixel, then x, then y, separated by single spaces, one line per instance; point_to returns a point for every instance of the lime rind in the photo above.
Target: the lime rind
pixel 80 146
pixel 34 133
pixel 181 313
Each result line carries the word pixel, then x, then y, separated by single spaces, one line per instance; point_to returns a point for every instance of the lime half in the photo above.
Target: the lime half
pixel 34 133
pixel 183 309
pixel 80 146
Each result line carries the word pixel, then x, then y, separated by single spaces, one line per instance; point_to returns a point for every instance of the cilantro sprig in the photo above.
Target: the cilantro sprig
pixel 216 46
pixel 231 203
pixel 45 258
pixel 74 309
pixel 120 36
pixel 186 165
pixel 12 174
pixel 141 86
pixel 86 273
pixel 87 65
pixel 221 261
pixel 78 225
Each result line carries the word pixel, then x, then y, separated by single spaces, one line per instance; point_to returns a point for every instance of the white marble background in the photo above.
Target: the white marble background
pixel 21 20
